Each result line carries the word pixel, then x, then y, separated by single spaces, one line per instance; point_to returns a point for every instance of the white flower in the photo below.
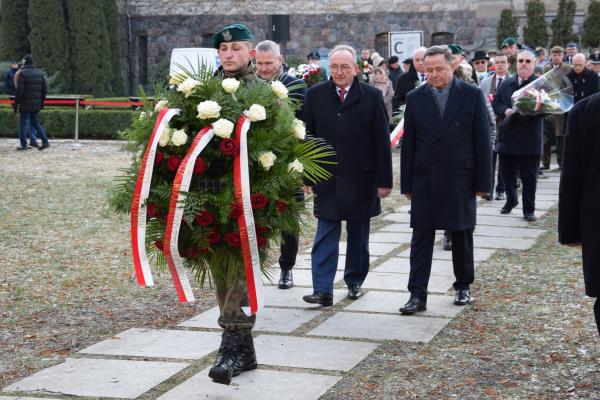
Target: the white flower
pixel 143 115
pixel 177 78
pixel 164 137
pixel 161 104
pixel 230 85
pixel 267 159
pixel 179 137
pixel 299 129
pixel 223 128
pixel 208 109
pixel 279 89
pixel 296 166
pixel 187 87
pixel 257 113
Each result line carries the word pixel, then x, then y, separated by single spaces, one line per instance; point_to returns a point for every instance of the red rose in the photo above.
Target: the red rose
pixel 194 251
pixel 261 241
pixel 173 163
pixel 159 157
pixel 159 244
pixel 229 147
pixel 258 201
pixel 235 211
pixel 200 166
pixel 214 238
pixel 152 210
pixel 233 239
pixel 281 205
pixel 261 229
pixel 204 218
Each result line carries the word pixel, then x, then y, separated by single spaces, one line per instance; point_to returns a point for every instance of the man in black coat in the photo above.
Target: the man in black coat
pixel 269 68
pixel 351 117
pixel 445 163
pixel 578 211
pixel 585 81
pixel 519 141
pixel 414 77
pixel 30 92
pixel 9 78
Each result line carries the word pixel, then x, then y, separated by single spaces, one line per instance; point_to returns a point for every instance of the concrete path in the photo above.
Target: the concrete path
pixel 307 349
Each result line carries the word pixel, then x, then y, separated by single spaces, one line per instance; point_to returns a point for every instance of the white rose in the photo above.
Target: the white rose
pixel 208 109
pixel 187 87
pixel 299 129
pixel 164 137
pixel 230 85
pixel 296 166
pixel 267 160
pixel 179 137
pixel 257 113
pixel 161 104
pixel 223 128
pixel 143 115
pixel 176 79
pixel 279 89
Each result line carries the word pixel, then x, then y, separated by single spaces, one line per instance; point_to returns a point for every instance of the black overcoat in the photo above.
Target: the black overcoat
pixel 517 135
pixel 445 160
pixel 358 131
pixel 578 211
pixel 584 84
pixel 30 87
pixel 297 91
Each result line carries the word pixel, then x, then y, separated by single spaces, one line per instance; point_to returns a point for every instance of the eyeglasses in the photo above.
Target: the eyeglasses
pixel 343 68
pixel 480 62
pixel 524 60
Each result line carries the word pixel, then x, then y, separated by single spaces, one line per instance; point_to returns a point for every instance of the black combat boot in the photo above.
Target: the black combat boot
pixel 224 366
pixel 245 359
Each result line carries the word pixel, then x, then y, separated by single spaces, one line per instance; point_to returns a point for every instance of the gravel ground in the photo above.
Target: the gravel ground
pixel 67 283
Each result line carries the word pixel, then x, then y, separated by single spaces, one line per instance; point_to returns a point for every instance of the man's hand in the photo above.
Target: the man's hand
pixel 307 189
pixel 483 195
pixel 508 112
pixel 383 192
pixel 408 195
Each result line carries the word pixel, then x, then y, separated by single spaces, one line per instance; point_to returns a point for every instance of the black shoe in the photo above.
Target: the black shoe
pixel 22 148
pixel 34 144
pixel 507 208
pixel 245 359
pixel 462 298
pixel 324 299
pixel 354 292
pixel 529 217
pixel 44 146
pixel 488 197
pixel 224 366
pixel 540 172
pixel 500 196
pixel 286 280
pixel 413 306
pixel 545 167
pixel 447 242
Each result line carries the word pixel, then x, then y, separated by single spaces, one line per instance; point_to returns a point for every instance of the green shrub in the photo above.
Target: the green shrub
pixel 60 122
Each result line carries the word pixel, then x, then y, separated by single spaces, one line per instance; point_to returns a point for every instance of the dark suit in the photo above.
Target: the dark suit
pixel 578 211
pixel 358 131
pixel 519 145
pixel 406 82
pixel 445 160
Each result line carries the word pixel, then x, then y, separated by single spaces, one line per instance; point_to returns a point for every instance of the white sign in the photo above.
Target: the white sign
pixel 403 44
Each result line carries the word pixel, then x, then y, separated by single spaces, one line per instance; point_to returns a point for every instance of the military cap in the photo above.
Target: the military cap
pixel 557 49
pixel 232 33
pixel 455 49
pixel 571 45
pixel 313 55
pixel 509 41
pixel 393 60
pixel 595 58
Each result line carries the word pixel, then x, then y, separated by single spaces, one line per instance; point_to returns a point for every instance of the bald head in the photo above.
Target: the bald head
pixel 578 63
pixel 419 59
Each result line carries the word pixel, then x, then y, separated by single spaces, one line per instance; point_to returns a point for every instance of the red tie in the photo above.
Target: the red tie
pixel 342 94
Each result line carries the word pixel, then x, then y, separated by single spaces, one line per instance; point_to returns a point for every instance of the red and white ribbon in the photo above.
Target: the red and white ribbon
pixel 538 101
pixel 247 230
pixel 181 183
pixel 140 195
pixel 397 133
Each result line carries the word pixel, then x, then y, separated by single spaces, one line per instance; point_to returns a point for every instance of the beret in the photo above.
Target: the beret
pixel 509 41
pixel 232 33
pixel 455 49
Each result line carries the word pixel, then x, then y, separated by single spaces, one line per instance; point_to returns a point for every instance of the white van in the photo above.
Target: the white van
pixel 192 58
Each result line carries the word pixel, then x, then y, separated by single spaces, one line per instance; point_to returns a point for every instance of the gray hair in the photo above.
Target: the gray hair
pixel 435 50
pixel 268 45
pixel 343 47
pixel 419 49
pixel 526 52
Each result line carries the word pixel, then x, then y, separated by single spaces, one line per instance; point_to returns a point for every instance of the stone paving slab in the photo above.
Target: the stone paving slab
pixel 26 398
pixel 99 378
pixel 389 302
pixel 397 217
pixel 259 384
pixel 400 265
pixel 303 262
pixel 396 227
pixel 390 237
pixel 293 297
pixel 504 231
pixel 161 343
pixel 284 320
pixel 302 277
pixel 501 221
pixel 388 281
pixel 375 249
pixel 539 205
pixel 381 327
pixel 479 254
pixel 546 197
pixel 502 242
pixel 301 352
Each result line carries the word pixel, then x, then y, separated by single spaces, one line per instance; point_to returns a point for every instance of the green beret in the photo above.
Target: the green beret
pixel 509 41
pixel 232 33
pixel 455 49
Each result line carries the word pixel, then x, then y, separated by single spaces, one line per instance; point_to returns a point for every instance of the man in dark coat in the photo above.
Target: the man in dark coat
pixel 585 81
pixel 578 211
pixel 351 117
pixel 445 164
pixel 30 92
pixel 519 141
pixel 9 78
pixel 414 77
pixel 269 68
pixel 394 70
